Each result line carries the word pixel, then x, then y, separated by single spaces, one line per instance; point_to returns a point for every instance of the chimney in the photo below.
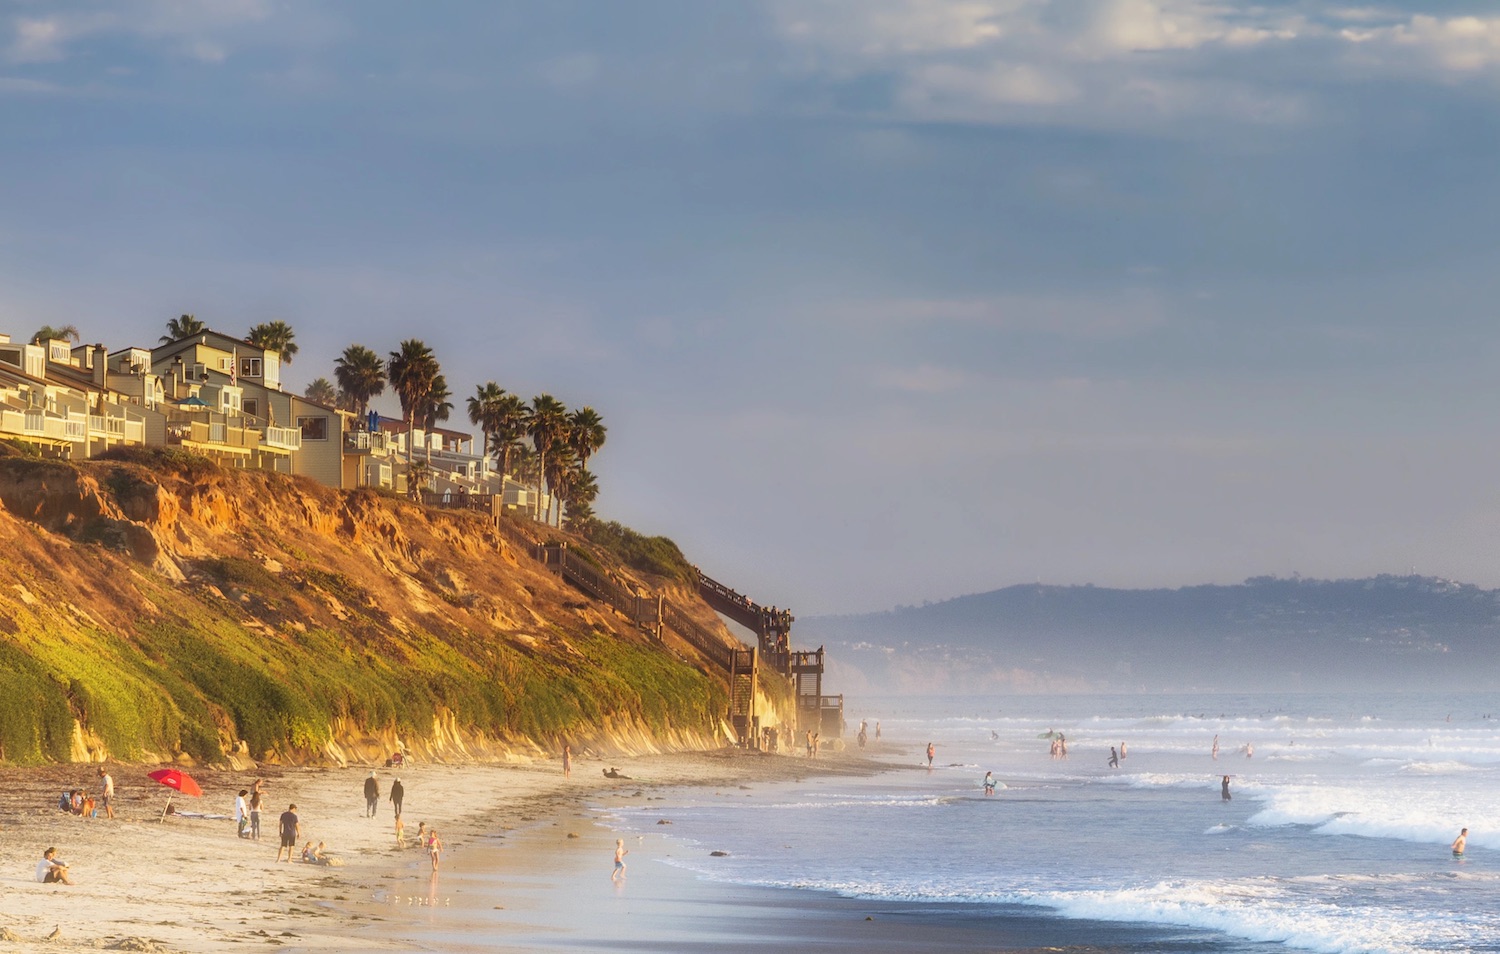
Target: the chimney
pixel 101 372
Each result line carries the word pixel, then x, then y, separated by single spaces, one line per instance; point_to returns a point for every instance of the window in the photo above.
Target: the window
pixel 198 373
pixel 250 367
pixel 58 352
pixel 313 428
pixel 252 407
pixel 226 365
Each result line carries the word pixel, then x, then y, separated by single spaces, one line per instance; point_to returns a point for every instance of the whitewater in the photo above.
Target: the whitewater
pixel 1336 838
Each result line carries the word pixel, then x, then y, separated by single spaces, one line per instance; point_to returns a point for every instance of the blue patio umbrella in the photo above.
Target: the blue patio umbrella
pixel 193 401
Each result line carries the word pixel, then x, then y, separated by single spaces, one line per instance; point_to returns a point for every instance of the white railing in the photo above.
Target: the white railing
pixel 75 430
pixel 98 424
pixel 288 438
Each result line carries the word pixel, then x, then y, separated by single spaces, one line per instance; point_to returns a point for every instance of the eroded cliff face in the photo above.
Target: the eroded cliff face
pixel 162 607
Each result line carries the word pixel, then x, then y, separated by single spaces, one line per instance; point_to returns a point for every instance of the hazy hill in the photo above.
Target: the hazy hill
pixel 1383 632
pixel 159 606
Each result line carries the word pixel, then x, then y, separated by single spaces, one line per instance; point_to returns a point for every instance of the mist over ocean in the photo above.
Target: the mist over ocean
pixel 1336 838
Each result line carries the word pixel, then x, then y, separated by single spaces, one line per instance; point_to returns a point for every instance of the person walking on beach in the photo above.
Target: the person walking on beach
pixel 291 830
pixel 372 795
pixel 242 814
pixel 1114 758
pixel 1459 843
pixel 620 852
pixel 877 730
pixel 398 793
pixel 400 832
pixel 106 793
pixel 567 761
pixel 1224 788
pixel 434 848
pixel 255 802
pixel 1122 751
pixel 931 751
pixel 989 783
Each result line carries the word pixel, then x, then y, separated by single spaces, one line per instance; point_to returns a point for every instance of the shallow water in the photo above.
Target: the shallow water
pixel 1336 839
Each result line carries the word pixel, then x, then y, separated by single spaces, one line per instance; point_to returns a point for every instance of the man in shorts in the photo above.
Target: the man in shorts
pixel 1460 843
pixel 291 830
pixel 106 793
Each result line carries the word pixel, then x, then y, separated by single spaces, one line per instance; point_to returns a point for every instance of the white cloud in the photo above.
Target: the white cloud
pixel 1079 316
pixel 1111 62
pixel 192 28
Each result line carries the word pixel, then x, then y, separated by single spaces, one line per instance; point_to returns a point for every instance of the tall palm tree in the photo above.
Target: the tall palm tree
pixel 510 427
pixel 437 408
pixel 322 391
pixel 361 376
pixel 412 370
pixel 56 333
pixel 274 336
pixel 482 412
pixel 184 327
pixel 547 424
pixel 582 492
pixel 586 432
pixel 561 469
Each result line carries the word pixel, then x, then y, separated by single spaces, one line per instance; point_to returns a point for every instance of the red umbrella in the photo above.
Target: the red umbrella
pixel 175 779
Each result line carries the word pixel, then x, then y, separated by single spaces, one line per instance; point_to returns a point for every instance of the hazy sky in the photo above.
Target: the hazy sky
pixel 881 300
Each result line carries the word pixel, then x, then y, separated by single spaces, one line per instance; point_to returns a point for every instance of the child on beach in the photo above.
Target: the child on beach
pixel 400 832
pixel 434 848
pixel 620 852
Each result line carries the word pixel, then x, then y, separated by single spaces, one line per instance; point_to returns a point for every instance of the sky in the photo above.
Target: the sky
pixel 882 301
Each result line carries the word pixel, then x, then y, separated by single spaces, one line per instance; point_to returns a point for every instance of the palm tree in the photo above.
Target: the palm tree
pixel 438 407
pixel 274 336
pixel 561 469
pixel 482 412
pixel 184 327
pixel 586 432
pixel 547 424
pixel 412 370
pixel 322 391
pixel 361 375
pixel 581 495
pixel 57 333
pixel 510 427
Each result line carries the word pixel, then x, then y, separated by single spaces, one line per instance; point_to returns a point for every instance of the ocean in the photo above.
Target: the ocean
pixel 1336 838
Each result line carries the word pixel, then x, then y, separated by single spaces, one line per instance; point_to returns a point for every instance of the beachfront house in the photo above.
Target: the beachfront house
pixel 227 403
pixel 54 400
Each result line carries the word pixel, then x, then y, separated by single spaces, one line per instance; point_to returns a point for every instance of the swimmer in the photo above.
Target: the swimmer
pixel 1460 842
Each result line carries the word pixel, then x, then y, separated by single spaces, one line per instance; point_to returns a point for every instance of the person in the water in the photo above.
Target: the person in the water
pixel 1459 843
pixel 1224 788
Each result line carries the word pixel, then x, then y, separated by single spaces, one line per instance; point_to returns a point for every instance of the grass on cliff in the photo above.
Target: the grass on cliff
pixel 658 555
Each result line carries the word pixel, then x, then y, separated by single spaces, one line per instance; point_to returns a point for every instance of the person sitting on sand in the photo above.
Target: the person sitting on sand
pixel 309 856
pixel 76 801
pixel 322 857
pixel 51 869
pixel 613 772
pixel 421 834
pixel 65 802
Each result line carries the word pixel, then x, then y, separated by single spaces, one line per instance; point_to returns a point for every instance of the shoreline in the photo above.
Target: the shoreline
pixel 189 884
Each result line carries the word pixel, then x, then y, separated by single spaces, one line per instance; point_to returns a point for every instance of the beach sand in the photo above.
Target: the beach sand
pixel 526 868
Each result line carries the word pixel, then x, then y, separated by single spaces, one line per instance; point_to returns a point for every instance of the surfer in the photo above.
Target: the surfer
pixel 989 783
pixel 1460 842
pixel 1224 788
pixel 1114 758
pixel 931 751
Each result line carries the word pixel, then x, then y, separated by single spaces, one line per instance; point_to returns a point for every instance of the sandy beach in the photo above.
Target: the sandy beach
pixel 189 884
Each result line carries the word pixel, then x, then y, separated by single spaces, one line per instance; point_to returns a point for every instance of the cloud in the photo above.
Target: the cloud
pixel 1114 315
pixel 1108 62
pixel 191 28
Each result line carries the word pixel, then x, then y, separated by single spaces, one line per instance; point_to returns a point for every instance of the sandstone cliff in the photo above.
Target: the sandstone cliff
pixel 156 606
